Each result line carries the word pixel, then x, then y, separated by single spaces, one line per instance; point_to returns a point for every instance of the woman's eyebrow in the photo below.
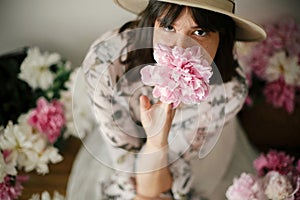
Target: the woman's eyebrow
pixel 196 27
pixel 161 20
pixel 192 27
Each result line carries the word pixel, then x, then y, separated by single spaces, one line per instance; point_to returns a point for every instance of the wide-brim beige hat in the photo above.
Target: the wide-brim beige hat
pixel 246 30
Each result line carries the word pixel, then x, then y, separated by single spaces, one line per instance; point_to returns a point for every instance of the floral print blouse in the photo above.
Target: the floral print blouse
pixel 114 95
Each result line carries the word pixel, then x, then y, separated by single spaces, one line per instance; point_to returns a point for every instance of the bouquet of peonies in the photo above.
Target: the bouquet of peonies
pixel 37 114
pixel 277 178
pixel 273 65
pixel 180 75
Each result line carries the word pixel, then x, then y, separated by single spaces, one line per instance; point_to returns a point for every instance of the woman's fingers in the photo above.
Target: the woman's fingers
pixel 144 103
pixel 171 111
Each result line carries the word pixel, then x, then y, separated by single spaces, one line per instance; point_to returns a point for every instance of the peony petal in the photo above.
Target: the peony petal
pixel 180 75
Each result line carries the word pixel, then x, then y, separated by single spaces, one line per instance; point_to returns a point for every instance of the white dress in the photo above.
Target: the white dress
pixel 207 146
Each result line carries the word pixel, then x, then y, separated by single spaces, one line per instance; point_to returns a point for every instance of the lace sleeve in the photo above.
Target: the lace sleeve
pixel 102 71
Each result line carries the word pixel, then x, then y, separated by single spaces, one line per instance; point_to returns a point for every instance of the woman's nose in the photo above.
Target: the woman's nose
pixel 184 40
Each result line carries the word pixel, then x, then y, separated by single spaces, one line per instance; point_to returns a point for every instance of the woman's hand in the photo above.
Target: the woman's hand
pixel 157 121
pixel 154 176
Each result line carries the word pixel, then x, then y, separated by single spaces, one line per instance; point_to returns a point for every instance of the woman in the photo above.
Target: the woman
pixel 154 150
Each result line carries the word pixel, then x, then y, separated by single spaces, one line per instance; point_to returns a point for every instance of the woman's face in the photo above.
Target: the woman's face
pixel 184 32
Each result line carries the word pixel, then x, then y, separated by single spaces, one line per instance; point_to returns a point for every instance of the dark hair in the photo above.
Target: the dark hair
pixel 207 20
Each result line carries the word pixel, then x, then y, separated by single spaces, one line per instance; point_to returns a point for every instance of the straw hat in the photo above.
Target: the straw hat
pixel 245 29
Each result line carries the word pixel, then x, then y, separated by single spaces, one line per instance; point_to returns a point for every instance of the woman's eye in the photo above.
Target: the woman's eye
pixel 169 28
pixel 201 33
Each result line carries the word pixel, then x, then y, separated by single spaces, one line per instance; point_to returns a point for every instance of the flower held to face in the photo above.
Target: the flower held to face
pixel 180 75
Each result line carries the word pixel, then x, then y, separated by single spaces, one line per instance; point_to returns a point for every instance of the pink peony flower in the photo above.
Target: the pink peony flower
pixel 12 187
pixel 48 118
pixel 280 95
pixel 277 161
pixel 246 187
pixel 261 164
pixel 180 75
pixel 260 59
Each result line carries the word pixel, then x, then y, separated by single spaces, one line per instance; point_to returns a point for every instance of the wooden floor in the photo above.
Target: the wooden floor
pixel 57 179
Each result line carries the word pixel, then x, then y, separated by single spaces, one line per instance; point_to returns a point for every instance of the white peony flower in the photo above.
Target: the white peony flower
pixel 14 140
pixel 2 168
pixel 39 156
pixel 5 168
pixel 281 65
pixel 46 196
pixel 35 69
pixel 278 187
pixel 79 120
pixel 28 148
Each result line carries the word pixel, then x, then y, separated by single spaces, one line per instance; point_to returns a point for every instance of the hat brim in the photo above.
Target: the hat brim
pixel 246 30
